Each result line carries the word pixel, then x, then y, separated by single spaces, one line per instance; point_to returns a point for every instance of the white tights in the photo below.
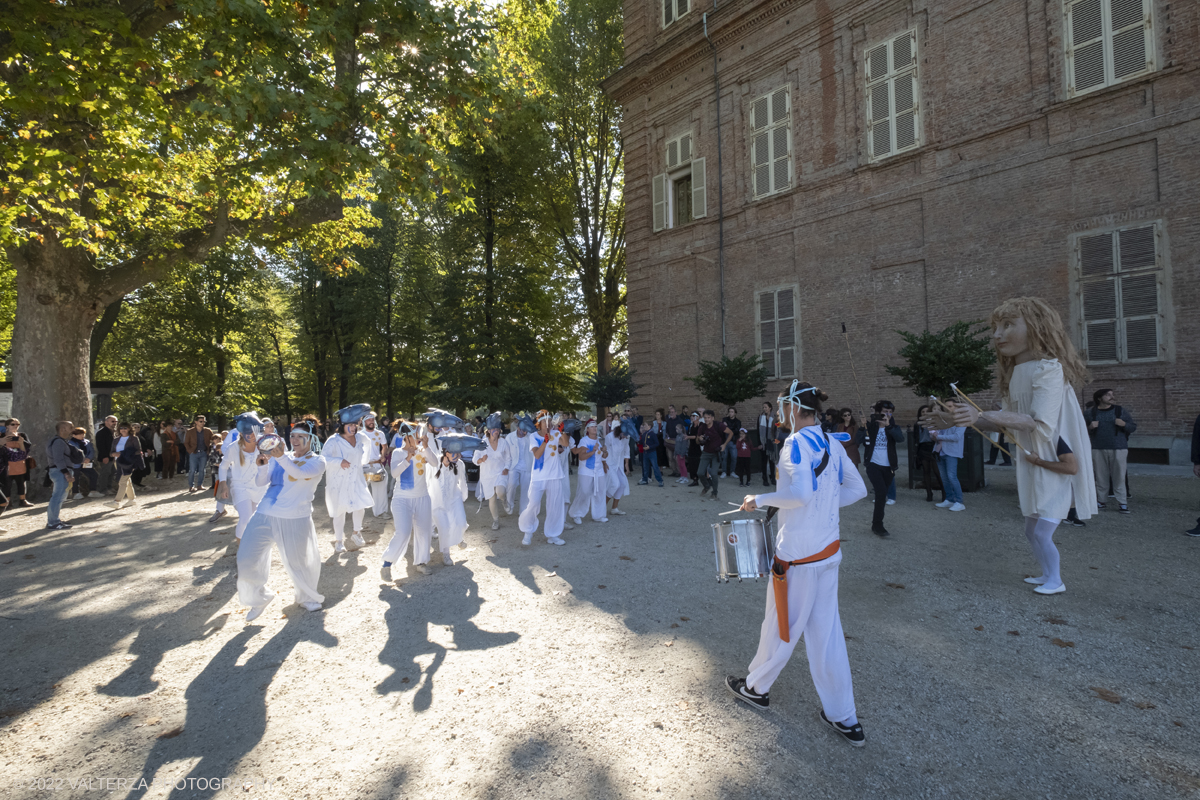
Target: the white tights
pixel 1040 533
pixel 496 502
pixel 339 523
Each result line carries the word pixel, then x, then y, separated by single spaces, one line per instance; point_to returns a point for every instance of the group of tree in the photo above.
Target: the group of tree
pixel 296 205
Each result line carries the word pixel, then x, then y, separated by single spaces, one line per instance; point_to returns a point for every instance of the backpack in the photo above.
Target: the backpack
pixel 1123 431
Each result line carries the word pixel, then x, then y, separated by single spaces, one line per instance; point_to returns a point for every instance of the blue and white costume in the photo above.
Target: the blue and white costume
pixel 592 486
pixel 546 480
pixel 808 526
pixel 283 518
pixel 345 486
pixel 412 507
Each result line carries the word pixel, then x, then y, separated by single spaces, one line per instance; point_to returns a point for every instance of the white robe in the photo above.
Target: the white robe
pixel 491 471
pixel 412 507
pixel 448 492
pixel 345 488
pixel 519 472
pixel 618 481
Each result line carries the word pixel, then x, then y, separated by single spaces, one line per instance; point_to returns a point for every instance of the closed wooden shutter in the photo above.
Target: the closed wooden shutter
pixel 766 332
pixel 1120 280
pixel 699 194
pixel 786 337
pixel 892 97
pixel 1129 21
pixel 1139 289
pixel 1107 41
pixel 770 143
pixel 659 196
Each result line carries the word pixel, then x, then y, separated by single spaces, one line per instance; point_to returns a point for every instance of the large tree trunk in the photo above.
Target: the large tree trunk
pixel 100 332
pixel 56 311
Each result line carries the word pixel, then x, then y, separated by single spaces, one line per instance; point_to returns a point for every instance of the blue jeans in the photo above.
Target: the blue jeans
pixel 948 469
pixel 729 457
pixel 56 499
pixel 650 460
pixel 197 464
pixel 891 495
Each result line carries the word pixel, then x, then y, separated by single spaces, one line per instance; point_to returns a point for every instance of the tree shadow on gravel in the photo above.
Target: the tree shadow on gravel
pixel 227 707
pixel 408 635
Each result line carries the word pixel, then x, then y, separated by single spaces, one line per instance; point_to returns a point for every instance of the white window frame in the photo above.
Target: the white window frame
pixel 677 15
pixel 771 132
pixel 1107 32
pixel 888 84
pixel 681 162
pixel 1112 288
pixel 771 356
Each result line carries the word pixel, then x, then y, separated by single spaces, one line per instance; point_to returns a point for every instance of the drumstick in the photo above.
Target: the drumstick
pixel 981 433
pixel 727 513
pixel 1003 429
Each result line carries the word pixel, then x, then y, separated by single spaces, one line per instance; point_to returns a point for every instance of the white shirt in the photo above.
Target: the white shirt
pixel 291 483
pixel 376 441
pixel 550 467
pixel 411 473
pixel 518 447
pixel 809 518
pixel 879 451
pixel 591 463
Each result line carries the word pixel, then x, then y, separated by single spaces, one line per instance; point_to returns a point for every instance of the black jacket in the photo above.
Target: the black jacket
pixel 867 435
pixel 104 442
pixel 1196 442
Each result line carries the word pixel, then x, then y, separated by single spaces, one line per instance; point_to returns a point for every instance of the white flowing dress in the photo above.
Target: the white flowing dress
pixel 346 488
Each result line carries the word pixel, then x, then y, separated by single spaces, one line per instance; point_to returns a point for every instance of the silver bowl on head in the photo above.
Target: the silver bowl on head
pixel 269 442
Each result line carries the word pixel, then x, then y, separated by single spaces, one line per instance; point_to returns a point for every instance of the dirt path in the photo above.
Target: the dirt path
pixel 595 669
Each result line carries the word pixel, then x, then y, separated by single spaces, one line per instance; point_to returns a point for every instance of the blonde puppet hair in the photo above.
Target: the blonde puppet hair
pixel 1047 338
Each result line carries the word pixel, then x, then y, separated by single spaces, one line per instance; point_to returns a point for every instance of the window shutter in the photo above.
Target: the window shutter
pixel 904 51
pixel 682 7
pixel 1099 314
pixel 1137 247
pixel 699 195
pixel 758 114
pixel 668 12
pixel 766 331
pixel 906 111
pixel 1085 54
pixel 787 333
pixel 1130 30
pixel 878 115
pixel 1096 254
pixel 1139 292
pixel 877 63
pixel 1120 274
pixel 780 138
pixel 685 149
pixel 659 195
pixel 761 155
pixel 673 154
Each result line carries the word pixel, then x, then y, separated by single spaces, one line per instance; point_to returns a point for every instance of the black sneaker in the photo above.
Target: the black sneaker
pixel 1123 509
pixel 1077 522
pixel 739 689
pixel 58 526
pixel 693 483
pixel 879 530
pixel 1194 531
pixel 1101 506
pixel 854 735
pixel 704 491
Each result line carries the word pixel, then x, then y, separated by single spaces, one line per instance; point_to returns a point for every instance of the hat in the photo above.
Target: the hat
pixel 542 414
pixel 248 423
pixel 526 423
pixel 459 442
pixel 352 414
pixel 493 422
pixel 571 425
pixel 695 413
pixel 442 419
pixel 591 423
pixel 404 429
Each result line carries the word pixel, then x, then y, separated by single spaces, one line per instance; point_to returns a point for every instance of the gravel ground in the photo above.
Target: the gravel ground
pixel 595 669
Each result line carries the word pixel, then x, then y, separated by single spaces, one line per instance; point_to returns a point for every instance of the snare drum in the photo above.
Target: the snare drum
pixel 744 549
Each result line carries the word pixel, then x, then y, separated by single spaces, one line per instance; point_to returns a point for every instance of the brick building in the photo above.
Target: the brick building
pixel 903 164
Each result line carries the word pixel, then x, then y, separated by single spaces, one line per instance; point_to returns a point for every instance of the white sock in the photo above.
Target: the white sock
pixel 850 721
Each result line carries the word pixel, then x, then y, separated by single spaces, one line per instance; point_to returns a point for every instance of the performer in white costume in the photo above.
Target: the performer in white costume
pixel 816 479
pixel 376 463
pixel 448 490
pixel 521 467
pixel 617 444
pixel 565 455
pixel 412 506
pixel 283 518
pixel 1038 369
pixel 227 448
pixel 592 485
pixel 239 471
pixel 545 481
pixel 345 485
pixel 495 461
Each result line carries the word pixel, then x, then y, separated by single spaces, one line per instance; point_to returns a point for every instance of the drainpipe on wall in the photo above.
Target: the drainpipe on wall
pixel 720 185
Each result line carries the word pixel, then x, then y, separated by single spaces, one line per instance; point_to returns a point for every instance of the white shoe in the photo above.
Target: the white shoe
pixel 1062 587
pixel 943 504
pixel 602 519
pixel 217 515
pixel 568 526
pixel 386 515
pixel 508 511
pixel 618 512
pixel 1036 581
pixel 495 524
pixel 891 502
pixel 447 560
pixel 527 539
pixel 957 507
pixel 339 546
pixel 113 504
pixel 555 540
pixel 424 569
pixel 357 540
pixel 311 606
pixel 77 496
pixel 129 503
pixel 578 520
pixel 257 611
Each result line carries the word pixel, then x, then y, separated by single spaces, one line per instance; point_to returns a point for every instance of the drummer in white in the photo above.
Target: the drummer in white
pixel 376 463
pixel 239 471
pixel 283 518
pixel 592 485
pixel 494 461
pixel 816 478
pixel 345 484
pixel 412 507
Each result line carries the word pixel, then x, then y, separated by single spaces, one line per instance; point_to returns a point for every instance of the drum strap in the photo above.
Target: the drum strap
pixel 779 582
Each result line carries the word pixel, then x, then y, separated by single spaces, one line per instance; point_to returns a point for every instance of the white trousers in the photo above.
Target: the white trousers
pixel 245 510
pixel 297 542
pixel 556 509
pixel 380 495
pixel 413 518
pixel 813 612
pixel 518 489
pixel 565 481
pixel 589 496
pixel 618 483
pixel 339 523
